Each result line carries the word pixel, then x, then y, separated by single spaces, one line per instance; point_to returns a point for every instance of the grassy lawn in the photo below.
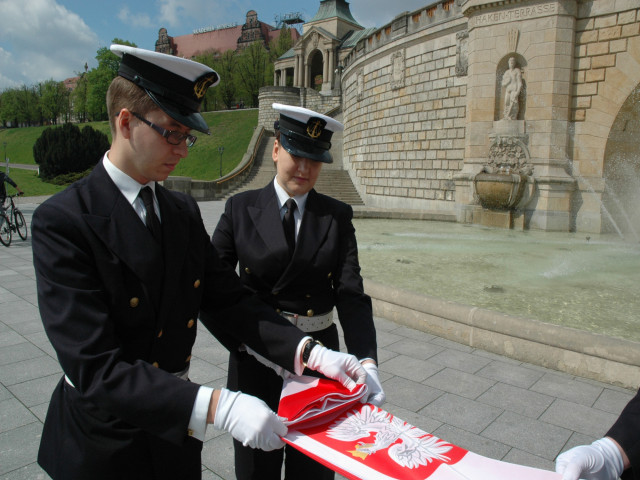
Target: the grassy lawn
pixel 229 129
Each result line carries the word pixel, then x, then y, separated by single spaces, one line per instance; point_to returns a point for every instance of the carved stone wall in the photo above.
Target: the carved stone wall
pixel 404 111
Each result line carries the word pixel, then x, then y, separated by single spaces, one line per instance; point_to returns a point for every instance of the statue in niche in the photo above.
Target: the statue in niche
pixel 512 85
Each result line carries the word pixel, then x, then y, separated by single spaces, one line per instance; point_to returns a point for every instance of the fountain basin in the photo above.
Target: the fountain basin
pixel 500 191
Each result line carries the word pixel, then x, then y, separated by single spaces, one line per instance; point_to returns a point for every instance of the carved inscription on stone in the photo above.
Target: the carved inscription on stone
pixel 522 13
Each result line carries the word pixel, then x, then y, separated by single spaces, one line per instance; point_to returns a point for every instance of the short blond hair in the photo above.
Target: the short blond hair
pixel 123 93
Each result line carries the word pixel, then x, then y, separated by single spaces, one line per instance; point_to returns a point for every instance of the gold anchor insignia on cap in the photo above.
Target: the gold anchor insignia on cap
pixel 200 87
pixel 315 127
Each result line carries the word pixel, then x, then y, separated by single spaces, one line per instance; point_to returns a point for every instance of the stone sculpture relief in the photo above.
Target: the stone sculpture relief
pixel 512 86
pixel 397 70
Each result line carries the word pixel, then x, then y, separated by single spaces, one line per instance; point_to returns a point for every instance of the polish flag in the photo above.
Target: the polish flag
pixel 360 441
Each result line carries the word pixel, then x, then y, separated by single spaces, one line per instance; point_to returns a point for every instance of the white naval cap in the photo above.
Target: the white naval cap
pixel 305 133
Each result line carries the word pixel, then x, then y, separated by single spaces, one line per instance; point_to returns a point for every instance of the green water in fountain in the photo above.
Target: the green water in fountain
pixel 585 281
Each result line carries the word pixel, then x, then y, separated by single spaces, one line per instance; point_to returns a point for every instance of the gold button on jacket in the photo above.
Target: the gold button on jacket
pixel 134 302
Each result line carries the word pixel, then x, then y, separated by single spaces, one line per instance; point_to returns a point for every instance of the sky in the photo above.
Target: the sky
pixel 53 39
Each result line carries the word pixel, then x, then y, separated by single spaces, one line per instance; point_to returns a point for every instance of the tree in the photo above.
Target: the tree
pixel 99 79
pixel 226 67
pixel 27 106
pixel 252 69
pixel 66 149
pixel 53 100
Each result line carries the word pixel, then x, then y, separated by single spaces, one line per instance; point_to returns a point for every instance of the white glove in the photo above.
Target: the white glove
pixel 337 365
pixel 268 363
pixel 249 420
pixel 599 461
pixel 376 393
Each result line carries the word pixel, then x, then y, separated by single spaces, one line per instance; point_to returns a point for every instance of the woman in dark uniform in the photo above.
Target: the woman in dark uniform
pixel 297 250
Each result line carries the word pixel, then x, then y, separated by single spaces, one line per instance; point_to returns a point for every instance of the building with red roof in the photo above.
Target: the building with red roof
pixel 220 38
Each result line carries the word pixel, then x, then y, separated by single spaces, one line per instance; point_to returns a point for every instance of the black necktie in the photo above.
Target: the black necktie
pixel 289 225
pixel 153 224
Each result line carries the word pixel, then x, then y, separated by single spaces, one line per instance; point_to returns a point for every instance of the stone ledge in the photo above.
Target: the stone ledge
pixel 584 354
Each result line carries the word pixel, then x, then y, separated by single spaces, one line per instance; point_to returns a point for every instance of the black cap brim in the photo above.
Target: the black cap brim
pixel 192 120
pixel 298 149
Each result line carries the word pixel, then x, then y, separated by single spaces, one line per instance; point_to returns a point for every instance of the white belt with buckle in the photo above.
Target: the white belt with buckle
pixel 310 324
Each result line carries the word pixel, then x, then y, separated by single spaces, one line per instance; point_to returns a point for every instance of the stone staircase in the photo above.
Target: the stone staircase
pixel 333 180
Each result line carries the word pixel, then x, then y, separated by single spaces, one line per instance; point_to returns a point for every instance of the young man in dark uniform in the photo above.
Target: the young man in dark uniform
pixel 123 268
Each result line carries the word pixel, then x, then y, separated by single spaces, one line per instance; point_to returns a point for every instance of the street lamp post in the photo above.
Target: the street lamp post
pixel 220 150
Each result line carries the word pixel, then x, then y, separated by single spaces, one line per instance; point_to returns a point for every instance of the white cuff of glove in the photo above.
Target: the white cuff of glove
pixel 376 393
pixel 249 420
pixel 601 460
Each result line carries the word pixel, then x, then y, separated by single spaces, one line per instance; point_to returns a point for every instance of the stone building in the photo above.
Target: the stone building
pixel 543 91
pixel 220 38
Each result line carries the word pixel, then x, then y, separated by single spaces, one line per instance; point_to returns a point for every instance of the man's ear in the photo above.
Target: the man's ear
pixel 123 123
pixel 274 153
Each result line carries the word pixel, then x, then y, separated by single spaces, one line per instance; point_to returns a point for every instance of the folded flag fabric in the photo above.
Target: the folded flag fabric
pixel 308 401
pixel 364 442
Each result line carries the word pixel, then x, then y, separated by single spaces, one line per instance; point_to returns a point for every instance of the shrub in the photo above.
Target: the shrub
pixel 66 150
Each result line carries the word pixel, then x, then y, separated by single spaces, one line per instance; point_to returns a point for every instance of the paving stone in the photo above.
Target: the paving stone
pixel 572 390
pixel 516 375
pixel 516 399
pixel 10 338
pixel 415 348
pixel 416 335
pixel 533 436
pixel 444 342
pixel 19 447
pixel 409 368
pixel 525 458
pixel 586 420
pixel 387 338
pixel 465 362
pixel 34 392
pixel 217 456
pixel 14 414
pixel 410 395
pixel 461 412
pixel 613 401
pixel 28 370
pixel 28 327
pixel 29 472
pixel 459 383
pixel 427 424
pixel 472 442
pixel 19 352
pixel 203 372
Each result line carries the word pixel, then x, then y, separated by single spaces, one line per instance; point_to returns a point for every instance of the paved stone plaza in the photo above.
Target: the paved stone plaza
pixel 489 404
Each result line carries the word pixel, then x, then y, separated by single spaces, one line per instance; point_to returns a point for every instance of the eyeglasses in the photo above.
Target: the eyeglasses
pixel 173 137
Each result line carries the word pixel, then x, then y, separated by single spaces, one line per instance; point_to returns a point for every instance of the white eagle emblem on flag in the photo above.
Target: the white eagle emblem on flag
pixel 417 448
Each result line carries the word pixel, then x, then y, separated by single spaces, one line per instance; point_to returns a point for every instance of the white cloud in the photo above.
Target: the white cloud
pixel 42 40
pixel 135 20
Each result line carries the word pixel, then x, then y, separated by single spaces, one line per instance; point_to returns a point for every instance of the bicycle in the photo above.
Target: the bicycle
pixel 12 220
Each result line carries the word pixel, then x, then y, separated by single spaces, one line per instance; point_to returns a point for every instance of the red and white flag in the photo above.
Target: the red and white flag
pixel 363 442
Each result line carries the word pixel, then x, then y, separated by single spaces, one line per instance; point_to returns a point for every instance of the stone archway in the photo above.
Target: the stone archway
pixel 621 194
pixel 595 157
pixel 316 69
